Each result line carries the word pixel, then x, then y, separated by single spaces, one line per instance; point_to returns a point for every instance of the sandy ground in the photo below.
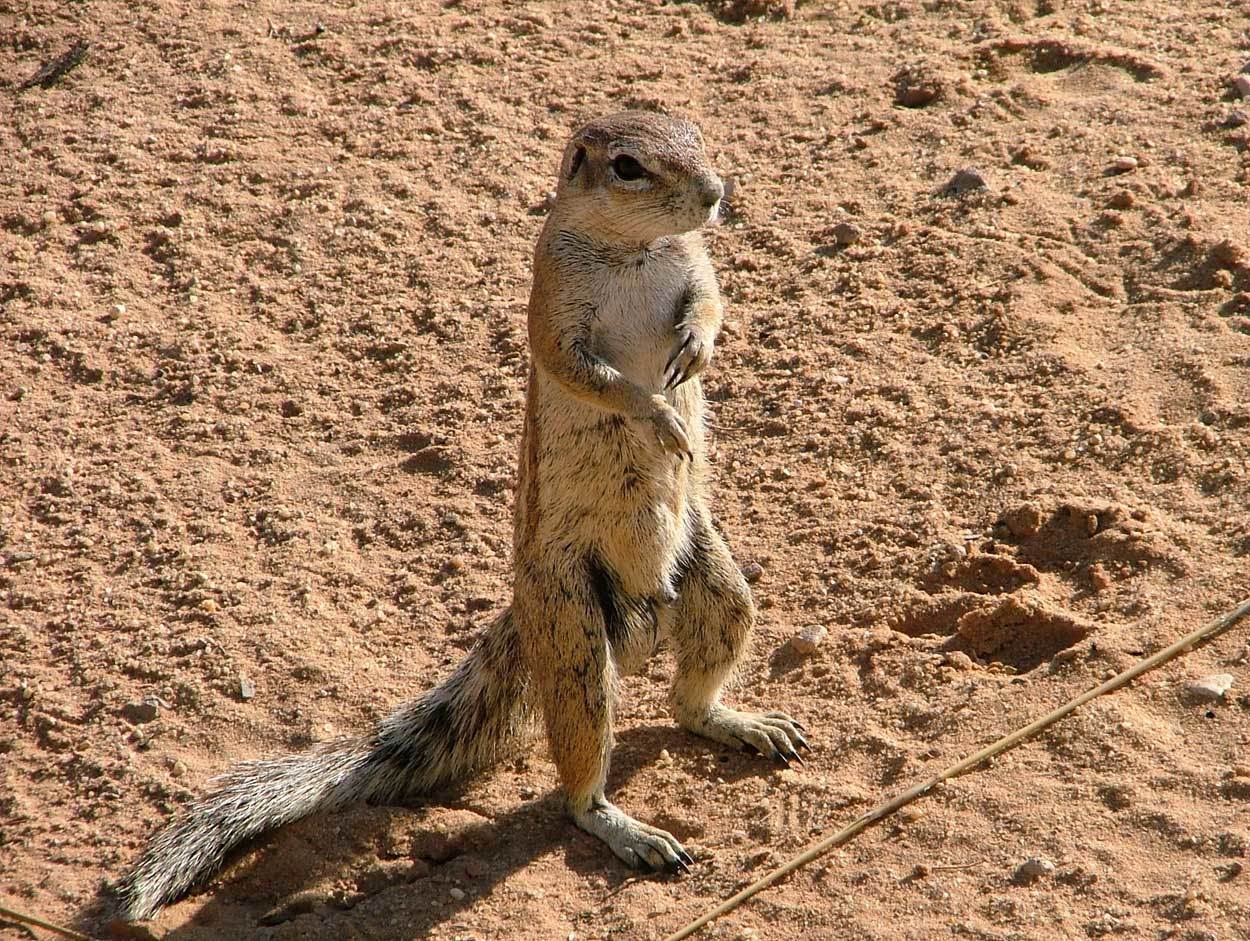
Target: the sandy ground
pixel 262 356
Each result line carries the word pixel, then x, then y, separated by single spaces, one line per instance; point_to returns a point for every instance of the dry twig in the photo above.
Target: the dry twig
pixel 54 70
pixel 10 915
pixel 880 812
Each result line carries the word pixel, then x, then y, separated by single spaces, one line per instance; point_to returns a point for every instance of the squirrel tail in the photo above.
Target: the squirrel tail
pixel 452 730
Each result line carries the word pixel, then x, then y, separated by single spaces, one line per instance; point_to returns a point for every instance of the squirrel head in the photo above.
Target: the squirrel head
pixel 636 176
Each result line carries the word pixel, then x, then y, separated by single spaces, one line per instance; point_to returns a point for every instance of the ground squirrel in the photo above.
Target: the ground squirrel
pixel 615 549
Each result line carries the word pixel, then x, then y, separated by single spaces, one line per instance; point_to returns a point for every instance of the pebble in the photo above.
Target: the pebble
pixel 456 893
pixel 809 639
pixel 1237 118
pixel 140 712
pixel 247 689
pixel 846 233
pixel 1211 687
pixel 1123 165
pixel 967 180
pixel 752 571
pixel 1241 85
pixel 1122 199
pixel 1024 521
pixel 1033 868
pixel 1228 252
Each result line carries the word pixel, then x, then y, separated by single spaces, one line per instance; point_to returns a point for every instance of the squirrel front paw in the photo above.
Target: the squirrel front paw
pixel 667 427
pixel 691 354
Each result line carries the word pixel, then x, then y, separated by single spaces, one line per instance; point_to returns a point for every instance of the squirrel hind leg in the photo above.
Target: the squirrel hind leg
pixel 567 617
pixel 710 626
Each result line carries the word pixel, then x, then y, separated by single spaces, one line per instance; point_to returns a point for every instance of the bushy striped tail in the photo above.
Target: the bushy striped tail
pixel 451 731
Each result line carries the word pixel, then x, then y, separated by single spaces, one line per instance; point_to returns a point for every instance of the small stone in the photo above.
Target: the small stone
pixel 752 571
pixel 1122 199
pixel 178 769
pixel 1241 85
pixel 809 639
pixel 1099 578
pixel 958 660
pixel 1229 253
pixel 1032 869
pixel 290 409
pixel 1238 117
pixel 247 689
pixel 917 86
pixel 1024 521
pixel 456 893
pixel 1069 455
pixel 140 712
pixel 966 180
pixel 846 233
pixel 1210 688
pixel 1123 165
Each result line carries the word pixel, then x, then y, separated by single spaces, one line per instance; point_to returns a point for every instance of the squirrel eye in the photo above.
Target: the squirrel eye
pixel 627 168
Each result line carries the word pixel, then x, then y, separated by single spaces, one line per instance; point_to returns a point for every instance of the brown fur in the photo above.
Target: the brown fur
pixel 614 544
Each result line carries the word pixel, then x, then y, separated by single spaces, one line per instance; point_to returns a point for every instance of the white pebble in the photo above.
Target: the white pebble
pixel 1123 164
pixel 1034 868
pixel 1211 687
pixel 456 893
pixel 809 639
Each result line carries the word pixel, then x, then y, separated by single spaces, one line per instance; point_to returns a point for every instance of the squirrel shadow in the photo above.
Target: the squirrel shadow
pixel 351 873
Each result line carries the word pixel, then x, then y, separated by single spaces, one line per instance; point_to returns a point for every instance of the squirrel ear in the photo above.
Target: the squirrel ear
pixel 575 164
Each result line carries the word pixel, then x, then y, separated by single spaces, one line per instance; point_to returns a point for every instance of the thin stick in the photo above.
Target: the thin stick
pixel 54 70
pixel 1184 645
pixel 8 913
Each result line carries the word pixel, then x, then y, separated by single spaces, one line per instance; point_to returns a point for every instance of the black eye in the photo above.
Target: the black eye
pixel 627 168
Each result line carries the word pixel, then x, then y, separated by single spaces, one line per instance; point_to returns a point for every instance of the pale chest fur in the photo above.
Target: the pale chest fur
pixel 636 305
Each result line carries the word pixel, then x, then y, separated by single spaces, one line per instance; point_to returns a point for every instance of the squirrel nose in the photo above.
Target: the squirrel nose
pixel 711 189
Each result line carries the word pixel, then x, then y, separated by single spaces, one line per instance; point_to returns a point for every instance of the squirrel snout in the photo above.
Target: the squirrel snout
pixel 711 189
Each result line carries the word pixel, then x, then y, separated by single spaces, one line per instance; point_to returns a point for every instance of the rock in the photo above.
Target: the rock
pixel 1210 688
pixel 966 180
pixel 1023 521
pixel 1228 253
pixel 1122 165
pixel 140 712
pixel 247 689
pixel 809 639
pixel 752 571
pixel 1122 199
pixel 846 233
pixel 1241 85
pixel 917 86
pixel 456 893
pixel 1032 869
pixel 1238 117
